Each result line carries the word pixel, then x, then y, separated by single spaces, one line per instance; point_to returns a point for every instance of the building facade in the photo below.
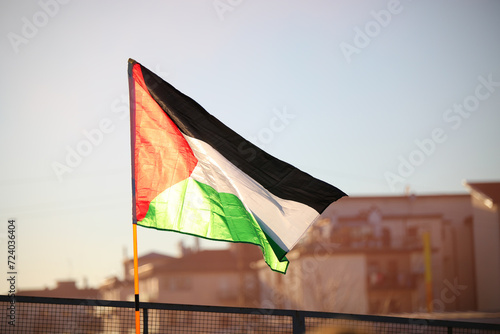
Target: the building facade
pixel 365 255
pixel 373 249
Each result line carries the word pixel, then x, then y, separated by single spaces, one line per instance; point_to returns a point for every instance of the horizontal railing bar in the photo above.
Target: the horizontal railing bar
pixel 257 311
pixel 68 301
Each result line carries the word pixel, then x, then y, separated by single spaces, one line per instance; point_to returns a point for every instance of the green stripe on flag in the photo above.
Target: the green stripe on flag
pixel 194 208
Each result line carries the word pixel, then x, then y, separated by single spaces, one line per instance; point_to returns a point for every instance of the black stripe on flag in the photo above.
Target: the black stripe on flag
pixel 278 177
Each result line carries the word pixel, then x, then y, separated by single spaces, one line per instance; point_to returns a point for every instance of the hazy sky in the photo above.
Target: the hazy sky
pixel 371 96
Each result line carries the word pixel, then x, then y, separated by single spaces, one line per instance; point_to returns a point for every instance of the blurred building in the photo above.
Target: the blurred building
pixel 115 289
pixel 486 232
pixel 365 255
pixel 200 277
pixel 77 319
pixel 63 289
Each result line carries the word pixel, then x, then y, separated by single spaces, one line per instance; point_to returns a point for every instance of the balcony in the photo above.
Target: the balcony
pixel 363 237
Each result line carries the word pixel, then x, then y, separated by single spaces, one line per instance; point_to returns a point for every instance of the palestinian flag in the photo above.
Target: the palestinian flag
pixel 194 175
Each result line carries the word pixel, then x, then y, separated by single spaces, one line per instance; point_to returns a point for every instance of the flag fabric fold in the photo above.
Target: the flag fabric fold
pixel 194 175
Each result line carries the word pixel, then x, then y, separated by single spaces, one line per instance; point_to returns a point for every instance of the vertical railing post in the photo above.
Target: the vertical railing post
pixel 299 323
pixel 145 324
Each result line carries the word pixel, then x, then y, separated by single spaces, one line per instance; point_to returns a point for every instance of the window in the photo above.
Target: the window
pixel 178 283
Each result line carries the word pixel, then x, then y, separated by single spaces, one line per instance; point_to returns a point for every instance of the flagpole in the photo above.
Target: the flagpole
pixel 136 283
pixel 131 86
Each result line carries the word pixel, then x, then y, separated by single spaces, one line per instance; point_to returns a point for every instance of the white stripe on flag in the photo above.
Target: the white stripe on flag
pixel 286 219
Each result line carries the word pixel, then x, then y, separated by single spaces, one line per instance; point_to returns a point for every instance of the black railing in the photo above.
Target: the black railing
pixel 63 315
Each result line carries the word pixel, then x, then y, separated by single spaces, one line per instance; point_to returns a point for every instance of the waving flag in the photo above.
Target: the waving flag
pixel 194 175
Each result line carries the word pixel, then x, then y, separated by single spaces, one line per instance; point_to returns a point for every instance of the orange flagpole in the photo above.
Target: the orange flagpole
pixel 134 222
pixel 136 284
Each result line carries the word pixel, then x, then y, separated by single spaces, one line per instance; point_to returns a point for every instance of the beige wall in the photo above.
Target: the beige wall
pixel 220 289
pixel 318 283
pixel 337 284
pixel 487 255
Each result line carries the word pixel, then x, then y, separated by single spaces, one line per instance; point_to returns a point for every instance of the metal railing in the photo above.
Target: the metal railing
pixel 64 315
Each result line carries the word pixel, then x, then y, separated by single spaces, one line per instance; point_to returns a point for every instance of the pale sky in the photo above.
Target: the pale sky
pixel 370 96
